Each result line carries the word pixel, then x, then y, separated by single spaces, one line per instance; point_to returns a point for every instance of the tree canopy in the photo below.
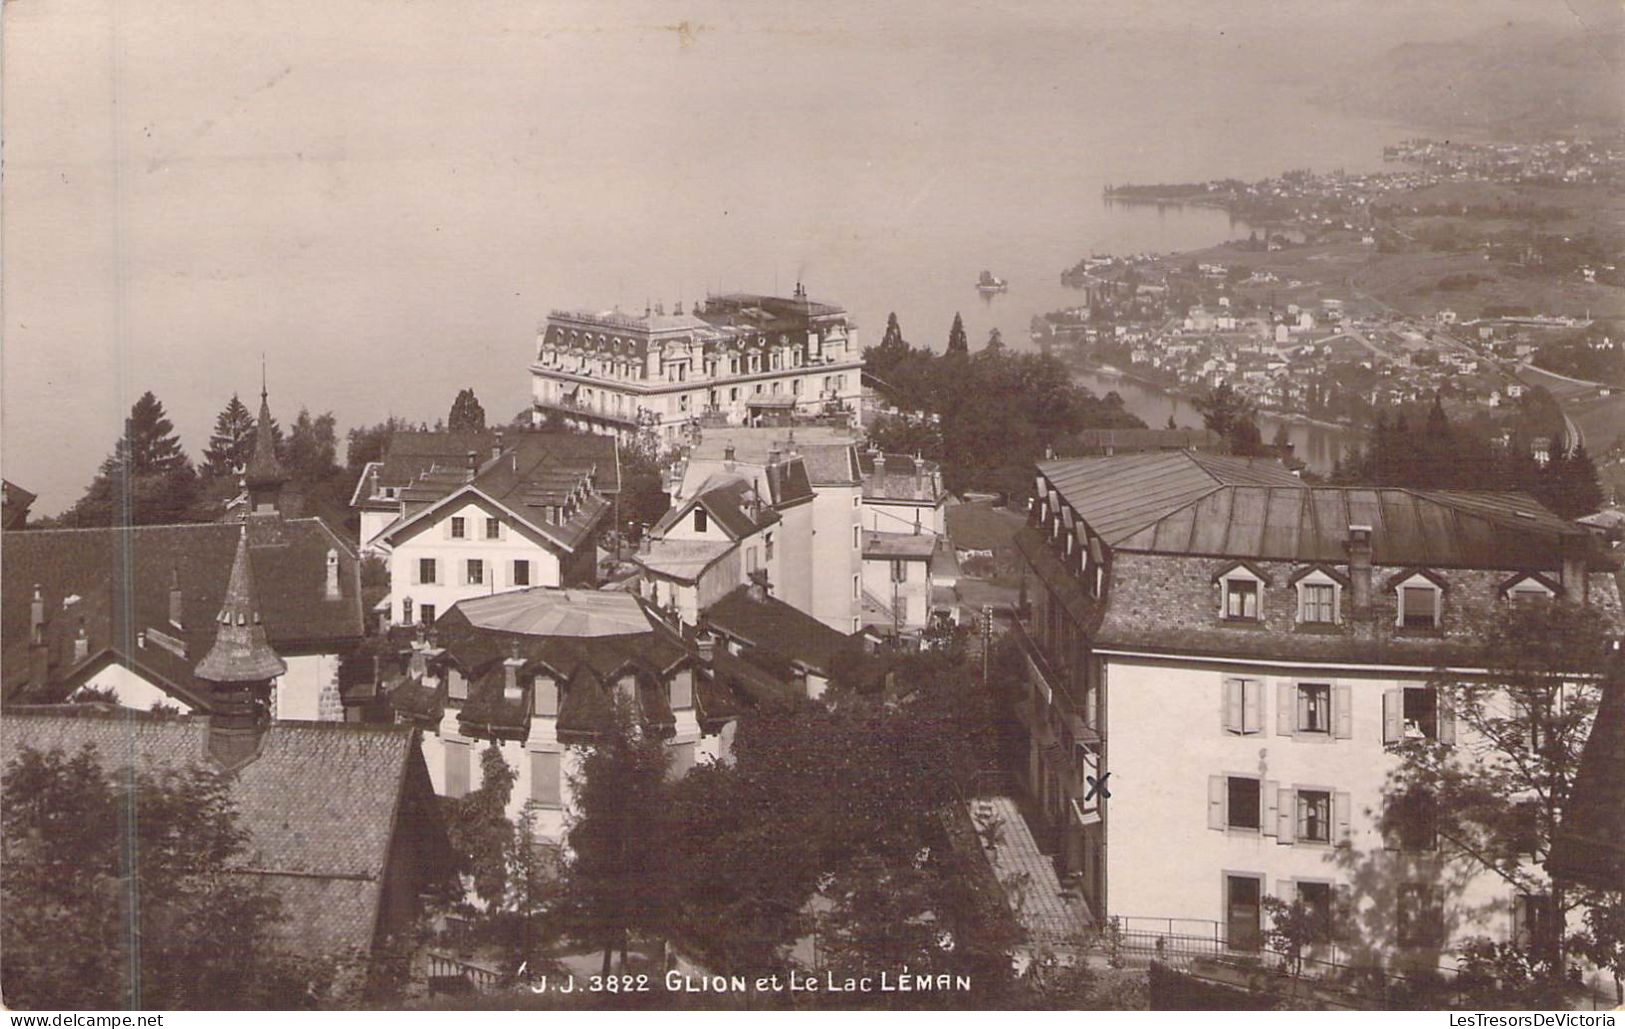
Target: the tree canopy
pixel 147 480
pixel 117 893
pixel 466 413
pixel 986 417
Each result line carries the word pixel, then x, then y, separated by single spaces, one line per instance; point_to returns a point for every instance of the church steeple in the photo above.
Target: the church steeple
pixel 264 476
pixel 238 670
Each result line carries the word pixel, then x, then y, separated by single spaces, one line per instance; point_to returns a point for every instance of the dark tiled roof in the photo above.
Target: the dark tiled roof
pixel 787 482
pixel 732 504
pixel 832 464
pixel 1590 843
pixel 899 478
pixel 136 565
pixel 488 710
pixel 320 805
pixel 14 504
pixel 775 626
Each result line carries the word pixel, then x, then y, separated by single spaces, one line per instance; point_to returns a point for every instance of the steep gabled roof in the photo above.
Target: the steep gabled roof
pixel 730 501
pixel 772 625
pixel 122 580
pixel 320 804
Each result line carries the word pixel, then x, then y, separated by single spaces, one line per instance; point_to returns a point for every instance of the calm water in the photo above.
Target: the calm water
pixel 390 229
pixel 1318 445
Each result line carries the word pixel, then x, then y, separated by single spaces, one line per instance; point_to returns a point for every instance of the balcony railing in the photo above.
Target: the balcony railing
pixel 578 409
pixel 1054 683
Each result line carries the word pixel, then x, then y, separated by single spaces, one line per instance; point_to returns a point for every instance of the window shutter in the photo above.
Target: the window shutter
pixel 1390 822
pixel 1286 822
pixel 1393 712
pixel 1232 705
pixel 1447 720
pixel 1520 923
pixel 417 570
pixel 1343 711
pixel 457 769
pixel 1215 802
pixel 1341 805
pixel 1270 798
pixel 1285 708
pixel 1252 705
pixel 445 528
pixel 462 572
pixel 544 778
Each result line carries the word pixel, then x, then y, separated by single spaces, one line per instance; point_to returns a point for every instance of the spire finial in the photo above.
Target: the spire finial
pixel 263 392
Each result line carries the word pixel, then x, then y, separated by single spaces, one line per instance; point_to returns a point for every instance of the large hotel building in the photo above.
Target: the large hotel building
pixel 735 359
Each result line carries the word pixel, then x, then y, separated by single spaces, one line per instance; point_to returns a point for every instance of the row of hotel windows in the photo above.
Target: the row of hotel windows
pixel 1315 814
pixel 1323 710
pixel 677 371
pixel 471 572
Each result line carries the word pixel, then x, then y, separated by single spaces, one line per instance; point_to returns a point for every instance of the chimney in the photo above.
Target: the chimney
pixel 757 588
pixel 921 480
pixel 706 644
pixel 728 457
pixel 496 446
pixel 81 643
pixel 36 618
pixel 1359 548
pixel 1576 551
pixel 790 444
pixel 773 456
pixel 511 690
pixel 679 308
pixel 473 463
pixel 415 663
pixel 332 591
pixel 176 604
pixel 880 464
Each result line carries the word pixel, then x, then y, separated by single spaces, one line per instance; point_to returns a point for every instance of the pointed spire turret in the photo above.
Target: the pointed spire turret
pixel 264 477
pixel 241 654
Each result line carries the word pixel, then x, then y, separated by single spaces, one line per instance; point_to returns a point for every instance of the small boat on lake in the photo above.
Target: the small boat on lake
pixel 989 284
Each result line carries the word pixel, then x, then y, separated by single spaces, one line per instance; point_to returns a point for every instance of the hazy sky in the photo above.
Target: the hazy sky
pixel 369 191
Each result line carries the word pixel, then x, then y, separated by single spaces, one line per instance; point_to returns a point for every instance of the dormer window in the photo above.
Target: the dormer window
pixel 1241 591
pixel 1420 598
pixel 459 528
pixel 1526 589
pixel 1320 596
pixel 700 519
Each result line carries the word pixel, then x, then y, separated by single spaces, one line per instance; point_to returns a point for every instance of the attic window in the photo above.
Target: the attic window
pixel 1240 593
pixel 1319 599
pixel 1419 603
pixel 701 520
pixel 1528 589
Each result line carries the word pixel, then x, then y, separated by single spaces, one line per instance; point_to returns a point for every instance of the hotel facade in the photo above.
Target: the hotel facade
pixel 1240 652
pixel 735 359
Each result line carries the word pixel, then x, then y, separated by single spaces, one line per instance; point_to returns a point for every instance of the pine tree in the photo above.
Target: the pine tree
pixel 232 440
pixel 147 480
pixel 1584 493
pixel 893 336
pixel 958 342
pixel 995 341
pixel 466 414
pixel 149 443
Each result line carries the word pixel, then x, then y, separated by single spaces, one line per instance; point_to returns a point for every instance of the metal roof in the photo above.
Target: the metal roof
pixel 1118 496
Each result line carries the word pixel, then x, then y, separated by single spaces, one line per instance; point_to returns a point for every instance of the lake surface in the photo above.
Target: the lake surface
pixel 390 223
pixel 1318 446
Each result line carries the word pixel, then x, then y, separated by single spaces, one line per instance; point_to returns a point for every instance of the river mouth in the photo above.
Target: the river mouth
pixel 1318 445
